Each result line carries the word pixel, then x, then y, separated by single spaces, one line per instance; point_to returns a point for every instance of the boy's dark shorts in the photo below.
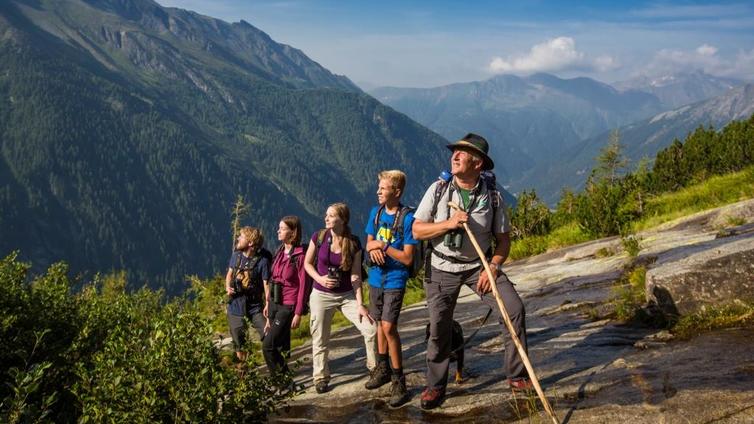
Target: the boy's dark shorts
pixel 238 326
pixel 385 304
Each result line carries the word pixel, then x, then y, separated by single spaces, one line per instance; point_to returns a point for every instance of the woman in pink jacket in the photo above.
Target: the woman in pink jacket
pixel 286 301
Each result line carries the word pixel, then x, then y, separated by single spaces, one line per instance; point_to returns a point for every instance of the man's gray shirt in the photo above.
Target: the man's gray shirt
pixel 480 223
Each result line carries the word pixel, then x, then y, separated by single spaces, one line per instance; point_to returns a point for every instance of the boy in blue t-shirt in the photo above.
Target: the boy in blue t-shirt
pixel 390 250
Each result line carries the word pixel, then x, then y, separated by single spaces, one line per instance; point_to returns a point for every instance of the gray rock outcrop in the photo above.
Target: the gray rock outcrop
pixel 719 271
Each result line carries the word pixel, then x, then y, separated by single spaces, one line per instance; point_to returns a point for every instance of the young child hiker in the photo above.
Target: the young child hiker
pixel 333 260
pixel 390 248
pixel 245 281
pixel 286 300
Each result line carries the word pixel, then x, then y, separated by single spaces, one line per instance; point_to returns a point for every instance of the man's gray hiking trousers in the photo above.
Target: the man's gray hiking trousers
pixel 442 291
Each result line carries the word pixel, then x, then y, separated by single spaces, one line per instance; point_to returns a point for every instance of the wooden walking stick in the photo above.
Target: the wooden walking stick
pixel 507 320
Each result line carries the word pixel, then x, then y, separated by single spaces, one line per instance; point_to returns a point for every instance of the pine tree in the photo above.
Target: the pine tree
pixel 240 210
pixel 611 159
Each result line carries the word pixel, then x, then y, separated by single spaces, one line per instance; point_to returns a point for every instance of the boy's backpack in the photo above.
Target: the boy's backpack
pixel 321 234
pixel 417 261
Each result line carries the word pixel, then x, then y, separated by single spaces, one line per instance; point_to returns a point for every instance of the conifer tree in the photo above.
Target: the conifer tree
pixel 611 159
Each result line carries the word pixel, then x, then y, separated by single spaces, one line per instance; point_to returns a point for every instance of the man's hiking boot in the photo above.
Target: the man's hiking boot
pixel 398 393
pixel 378 377
pixel 321 387
pixel 432 398
pixel 521 384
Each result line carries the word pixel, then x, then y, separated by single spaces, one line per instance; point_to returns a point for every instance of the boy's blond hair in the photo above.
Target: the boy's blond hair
pixel 396 177
pixel 253 235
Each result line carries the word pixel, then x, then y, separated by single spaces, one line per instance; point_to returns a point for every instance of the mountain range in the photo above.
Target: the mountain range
pixel 127 130
pixel 545 131
pixel 641 139
pixel 529 120
pixel 680 89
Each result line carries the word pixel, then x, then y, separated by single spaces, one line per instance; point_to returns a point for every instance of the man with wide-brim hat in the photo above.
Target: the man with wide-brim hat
pixel 477 145
pixel 453 261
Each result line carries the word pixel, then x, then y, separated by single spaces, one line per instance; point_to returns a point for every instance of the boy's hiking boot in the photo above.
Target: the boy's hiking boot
pixel 379 376
pixel 432 398
pixel 398 393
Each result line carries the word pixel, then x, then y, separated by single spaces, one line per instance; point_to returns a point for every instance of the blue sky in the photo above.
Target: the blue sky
pixel 431 43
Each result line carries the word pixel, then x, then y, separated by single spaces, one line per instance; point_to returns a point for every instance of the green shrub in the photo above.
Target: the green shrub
pixel 600 209
pixel 528 246
pixel 107 355
pixel 530 217
pixel 629 294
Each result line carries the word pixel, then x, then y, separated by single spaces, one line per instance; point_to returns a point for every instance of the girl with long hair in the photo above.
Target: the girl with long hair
pixel 333 261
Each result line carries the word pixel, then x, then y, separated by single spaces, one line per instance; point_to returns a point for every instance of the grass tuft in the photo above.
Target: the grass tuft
pixel 629 294
pixel 715 192
pixel 715 318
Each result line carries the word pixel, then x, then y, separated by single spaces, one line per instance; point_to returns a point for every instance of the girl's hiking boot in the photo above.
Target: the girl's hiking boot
pixel 398 393
pixel 379 376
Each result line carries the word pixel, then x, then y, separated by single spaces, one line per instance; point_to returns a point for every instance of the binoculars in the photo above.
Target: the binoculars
pixel 453 240
pixel 277 293
pixel 334 272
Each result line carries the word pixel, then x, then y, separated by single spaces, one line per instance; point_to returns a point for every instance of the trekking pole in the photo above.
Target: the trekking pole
pixel 508 324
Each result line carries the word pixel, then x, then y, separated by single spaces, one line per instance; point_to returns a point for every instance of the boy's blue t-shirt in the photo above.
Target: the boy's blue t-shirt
pixel 394 273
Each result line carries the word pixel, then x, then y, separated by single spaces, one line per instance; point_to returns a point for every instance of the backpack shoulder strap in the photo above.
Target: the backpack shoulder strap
pixel 293 257
pixel 254 261
pixel 321 235
pixel 237 266
pixel 377 217
pixel 440 189
pixel 400 217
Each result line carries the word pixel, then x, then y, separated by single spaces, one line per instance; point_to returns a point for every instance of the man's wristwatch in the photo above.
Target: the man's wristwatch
pixel 498 267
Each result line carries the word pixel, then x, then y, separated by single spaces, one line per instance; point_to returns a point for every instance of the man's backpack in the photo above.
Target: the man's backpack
pixel 321 235
pixel 417 261
pixel 489 180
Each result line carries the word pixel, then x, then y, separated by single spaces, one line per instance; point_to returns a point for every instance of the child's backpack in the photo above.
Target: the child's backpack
pixel 417 262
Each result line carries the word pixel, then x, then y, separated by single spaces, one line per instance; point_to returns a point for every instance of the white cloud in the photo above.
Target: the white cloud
pixel 552 55
pixel 704 58
pixel 743 66
pixel 605 63
pixel 668 61
pixel 706 50
pixel 556 54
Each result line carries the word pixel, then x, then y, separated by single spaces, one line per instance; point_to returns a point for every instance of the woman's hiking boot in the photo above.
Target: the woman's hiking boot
pixel 322 387
pixel 398 392
pixel 379 376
